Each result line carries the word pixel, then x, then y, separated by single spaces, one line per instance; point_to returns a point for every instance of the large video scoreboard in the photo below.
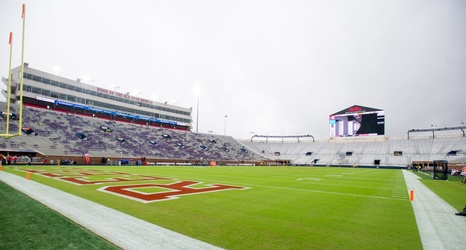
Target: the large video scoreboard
pixel 357 121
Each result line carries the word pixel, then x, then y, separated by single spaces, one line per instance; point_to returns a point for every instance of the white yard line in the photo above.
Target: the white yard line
pixel 121 229
pixel 438 225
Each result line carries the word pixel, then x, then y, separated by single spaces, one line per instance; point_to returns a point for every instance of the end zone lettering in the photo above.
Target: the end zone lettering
pixel 169 189
pixel 176 189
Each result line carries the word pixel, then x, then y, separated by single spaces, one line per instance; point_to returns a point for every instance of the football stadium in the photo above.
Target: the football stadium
pixel 140 159
pixel 85 167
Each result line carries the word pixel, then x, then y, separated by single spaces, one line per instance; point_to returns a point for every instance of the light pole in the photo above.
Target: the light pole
pixel 225 126
pixel 197 115
pixel 197 92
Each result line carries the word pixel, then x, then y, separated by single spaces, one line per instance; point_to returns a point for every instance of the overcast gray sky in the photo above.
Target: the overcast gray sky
pixel 273 67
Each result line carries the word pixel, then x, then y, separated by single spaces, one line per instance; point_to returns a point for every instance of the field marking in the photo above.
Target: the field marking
pixel 335 193
pixel 399 189
pixel 294 180
pixel 309 179
pixel 315 191
pixel 291 180
pixel 170 191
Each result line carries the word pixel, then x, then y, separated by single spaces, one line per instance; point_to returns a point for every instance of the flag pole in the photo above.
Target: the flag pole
pixel 21 78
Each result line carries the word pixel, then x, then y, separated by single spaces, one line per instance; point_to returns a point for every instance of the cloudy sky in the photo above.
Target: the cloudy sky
pixel 272 67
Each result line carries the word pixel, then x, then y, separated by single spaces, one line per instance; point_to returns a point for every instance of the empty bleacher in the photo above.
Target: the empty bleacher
pixel 389 152
pixel 57 136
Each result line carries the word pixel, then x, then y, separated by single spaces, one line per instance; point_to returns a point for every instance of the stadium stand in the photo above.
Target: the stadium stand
pixel 57 136
pixel 391 152
pixel 107 141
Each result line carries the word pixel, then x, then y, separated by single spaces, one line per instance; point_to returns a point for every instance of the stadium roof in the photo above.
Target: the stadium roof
pixel 356 109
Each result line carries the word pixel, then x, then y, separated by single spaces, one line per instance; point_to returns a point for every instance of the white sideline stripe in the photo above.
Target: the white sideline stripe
pixel 438 225
pixel 121 229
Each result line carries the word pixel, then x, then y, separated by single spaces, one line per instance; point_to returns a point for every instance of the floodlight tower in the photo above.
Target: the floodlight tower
pixel 197 91
pixel 225 126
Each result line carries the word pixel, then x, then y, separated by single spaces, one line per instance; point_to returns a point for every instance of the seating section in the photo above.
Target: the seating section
pixel 364 152
pixel 60 133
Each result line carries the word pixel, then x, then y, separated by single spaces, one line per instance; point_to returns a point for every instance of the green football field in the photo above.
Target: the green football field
pixel 254 207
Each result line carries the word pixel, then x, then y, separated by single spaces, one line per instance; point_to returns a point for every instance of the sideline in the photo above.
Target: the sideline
pixel 121 229
pixel 438 225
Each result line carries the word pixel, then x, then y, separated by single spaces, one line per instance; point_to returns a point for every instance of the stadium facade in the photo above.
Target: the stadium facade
pixel 53 91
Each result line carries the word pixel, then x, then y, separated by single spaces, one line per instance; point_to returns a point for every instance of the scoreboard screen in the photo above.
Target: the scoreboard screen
pixel 357 121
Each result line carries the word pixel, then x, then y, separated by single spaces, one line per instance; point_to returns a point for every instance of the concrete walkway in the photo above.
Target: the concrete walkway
pixel 123 230
pixel 438 225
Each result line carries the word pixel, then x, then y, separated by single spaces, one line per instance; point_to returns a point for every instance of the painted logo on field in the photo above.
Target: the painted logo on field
pixel 145 192
pixel 147 189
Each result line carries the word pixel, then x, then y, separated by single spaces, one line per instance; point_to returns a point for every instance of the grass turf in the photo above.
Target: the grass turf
pixel 283 207
pixel 452 191
pixel 27 224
